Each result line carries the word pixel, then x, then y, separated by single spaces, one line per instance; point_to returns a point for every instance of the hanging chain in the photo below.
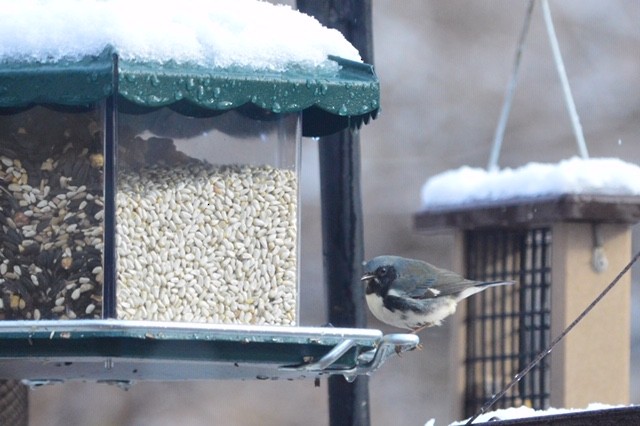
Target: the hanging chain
pixel 564 82
pixel 553 344
pixel 511 89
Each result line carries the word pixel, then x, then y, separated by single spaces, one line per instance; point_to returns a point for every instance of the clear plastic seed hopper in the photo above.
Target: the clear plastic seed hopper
pixel 150 223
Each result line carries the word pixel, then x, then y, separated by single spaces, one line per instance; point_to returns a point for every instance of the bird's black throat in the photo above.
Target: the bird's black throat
pixel 381 281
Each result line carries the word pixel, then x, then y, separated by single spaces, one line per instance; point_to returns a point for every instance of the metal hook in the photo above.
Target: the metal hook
pixel 599 261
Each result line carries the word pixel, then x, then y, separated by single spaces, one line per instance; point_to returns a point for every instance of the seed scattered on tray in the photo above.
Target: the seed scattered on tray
pixel 204 243
pixel 50 241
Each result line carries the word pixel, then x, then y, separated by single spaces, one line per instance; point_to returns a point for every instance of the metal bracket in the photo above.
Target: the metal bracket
pixel 368 362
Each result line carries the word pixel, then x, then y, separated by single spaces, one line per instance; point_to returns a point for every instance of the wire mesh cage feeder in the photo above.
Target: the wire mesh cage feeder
pixel 560 250
pixel 555 250
pixel 150 220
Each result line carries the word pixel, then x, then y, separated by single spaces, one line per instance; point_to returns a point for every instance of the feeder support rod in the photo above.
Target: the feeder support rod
pixel 568 98
pixel 342 221
pixel 511 88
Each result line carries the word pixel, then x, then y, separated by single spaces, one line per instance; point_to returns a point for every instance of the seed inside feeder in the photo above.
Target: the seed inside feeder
pixel 49 194
pixel 206 217
pixel 204 243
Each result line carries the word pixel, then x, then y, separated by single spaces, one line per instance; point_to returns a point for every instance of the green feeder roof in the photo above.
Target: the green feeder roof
pixel 329 99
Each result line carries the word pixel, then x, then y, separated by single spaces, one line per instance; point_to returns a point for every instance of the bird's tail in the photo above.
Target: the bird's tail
pixel 488 284
pixel 480 286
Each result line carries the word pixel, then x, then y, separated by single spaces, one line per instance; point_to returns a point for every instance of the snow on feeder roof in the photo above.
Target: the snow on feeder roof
pixel 596 189
pixel 467 185
pixel 192 55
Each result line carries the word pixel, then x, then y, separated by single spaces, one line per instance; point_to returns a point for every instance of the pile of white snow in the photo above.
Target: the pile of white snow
pixel 212 33
pixel 466 185
pixel 526 412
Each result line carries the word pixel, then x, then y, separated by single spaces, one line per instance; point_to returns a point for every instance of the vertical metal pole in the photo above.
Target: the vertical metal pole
pixel 342 213
pixel 343 255
pixel 110 170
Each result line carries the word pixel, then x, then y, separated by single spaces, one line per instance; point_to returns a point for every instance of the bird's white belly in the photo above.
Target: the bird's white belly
pixel 438 310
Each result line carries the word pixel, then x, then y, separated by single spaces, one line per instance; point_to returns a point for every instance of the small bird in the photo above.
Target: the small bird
pixel 412 294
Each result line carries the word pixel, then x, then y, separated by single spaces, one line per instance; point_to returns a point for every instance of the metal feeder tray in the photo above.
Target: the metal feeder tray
pixel 123 352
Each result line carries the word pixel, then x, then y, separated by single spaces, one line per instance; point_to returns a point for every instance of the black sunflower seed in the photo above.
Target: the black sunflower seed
pixel 52 158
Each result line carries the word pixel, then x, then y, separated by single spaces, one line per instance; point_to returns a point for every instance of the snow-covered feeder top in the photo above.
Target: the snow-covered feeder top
pixel 189 55
pixel 149 155
pixel 576 189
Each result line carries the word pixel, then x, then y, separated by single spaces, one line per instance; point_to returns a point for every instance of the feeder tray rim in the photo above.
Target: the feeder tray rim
pixel 52 351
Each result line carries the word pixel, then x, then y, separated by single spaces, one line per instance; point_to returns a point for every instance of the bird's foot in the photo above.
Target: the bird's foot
pixel 399 349
pixel 420 328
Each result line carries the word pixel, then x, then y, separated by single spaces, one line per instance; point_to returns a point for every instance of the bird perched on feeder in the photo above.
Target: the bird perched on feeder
pixel 412 294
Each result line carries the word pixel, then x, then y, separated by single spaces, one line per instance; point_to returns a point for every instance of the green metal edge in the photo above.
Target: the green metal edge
pixel 67 82
pixel 112 338
pixel 349 91
pixel 330 99
pixel 172 349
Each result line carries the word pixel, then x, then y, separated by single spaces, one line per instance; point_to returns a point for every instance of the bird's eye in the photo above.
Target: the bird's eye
pixel 382 271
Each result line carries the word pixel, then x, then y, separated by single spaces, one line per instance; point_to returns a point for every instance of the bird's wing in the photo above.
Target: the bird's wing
pixel 452 284
pixel 442 283
pixel 416 290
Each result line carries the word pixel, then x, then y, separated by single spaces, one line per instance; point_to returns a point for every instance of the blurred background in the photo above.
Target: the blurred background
pixel 443 68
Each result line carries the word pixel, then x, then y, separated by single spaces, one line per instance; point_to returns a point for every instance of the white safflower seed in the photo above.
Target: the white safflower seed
pixel 196 241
